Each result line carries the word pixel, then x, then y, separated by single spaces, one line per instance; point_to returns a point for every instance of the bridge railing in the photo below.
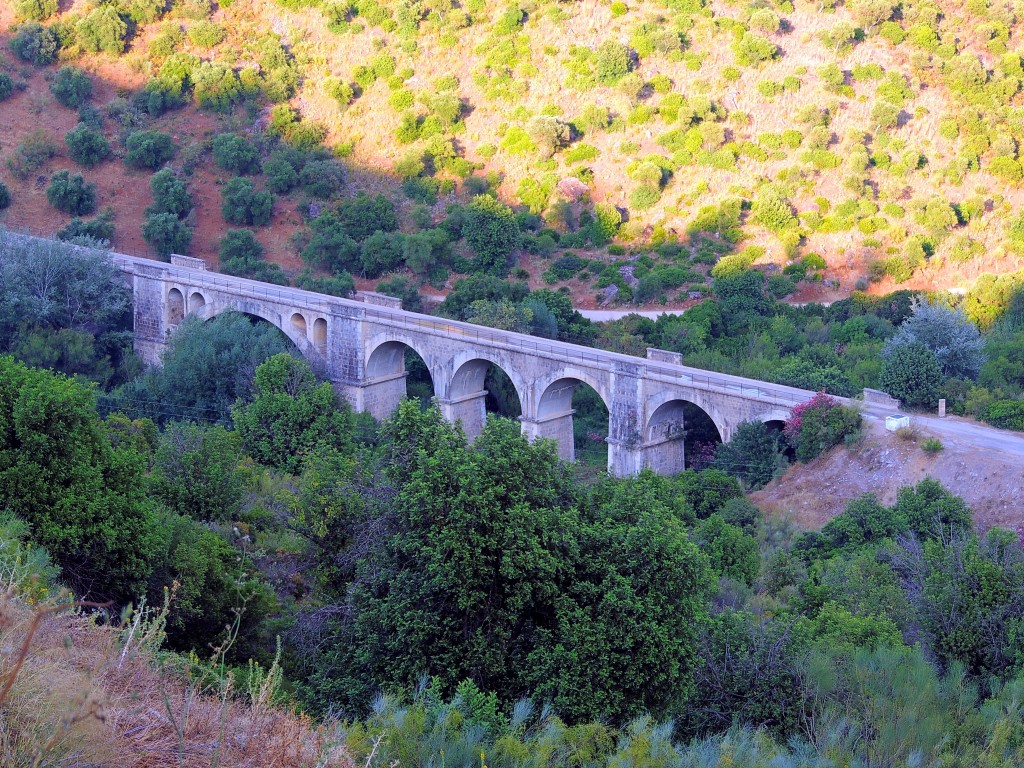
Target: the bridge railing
pixel 456 330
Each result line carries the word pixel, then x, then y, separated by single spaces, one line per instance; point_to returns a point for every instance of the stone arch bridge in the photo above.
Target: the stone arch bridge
pixel 360 347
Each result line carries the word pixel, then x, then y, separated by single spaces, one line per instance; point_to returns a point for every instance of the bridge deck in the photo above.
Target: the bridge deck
pixel 556 350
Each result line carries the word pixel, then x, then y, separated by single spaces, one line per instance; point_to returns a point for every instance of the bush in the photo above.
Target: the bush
pixel 753 455
pixel 931 445
pixel 71 87
pixel 241 254
pixel 86 146
pixel 5 196
pixel 35 10
pixel 6 85
pixel 167 234
pixel 242 203
pixel 363 215
pixel 71 194
pixel 36 44
pixel 612 62
pixel 148 149
pixel 235 153
pixel 99 229
pixel 205 34
pixel 281 175
pixel 322 178
pixel 103 30
pixel 819 424
pixel 169 194
pixel 1005 414
pixel 753 49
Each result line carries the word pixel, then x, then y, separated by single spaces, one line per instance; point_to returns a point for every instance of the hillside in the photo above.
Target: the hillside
pixel 881 137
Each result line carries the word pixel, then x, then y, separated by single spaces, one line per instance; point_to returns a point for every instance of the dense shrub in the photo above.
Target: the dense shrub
pixel 281 175
pixel 103 30
pixel 71 87
pixel 492 231
pixel 363 215
pixel 241 254
pixel 612 62
pixel 35 10
pixel 148 149
pixel 322 178
pixel 5 196
pixel 820 423
pixel 96 230
pixel 754 454
pixel 35 44
pixel 235 153
pixel 7 85
pixel 1005 414
pixel 170 194
pixel 71 194
pixel 242 203
pixel 86 146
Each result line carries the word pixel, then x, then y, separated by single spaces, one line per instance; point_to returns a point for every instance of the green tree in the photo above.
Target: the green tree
pixel 207 368
pixel 912 374
pixel 235 153
pixel 170 195
pixel 195 471
pixel 167 234
pixel 84 500
pixel 103 30
pixel 242 203
pixel 612 62
pixel 71 193
pixel 35 10
pixel 754 455
pixel 36 44
pixel 86 146
pixel 731 552
pixel 292 416
pixel 492 231
pixel 148 149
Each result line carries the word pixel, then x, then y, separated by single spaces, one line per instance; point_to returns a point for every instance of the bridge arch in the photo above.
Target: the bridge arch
pixel 196 301
pixel 549 412
pixel 464 396
pixel 384 369
pixel 313 356
pixel 175 306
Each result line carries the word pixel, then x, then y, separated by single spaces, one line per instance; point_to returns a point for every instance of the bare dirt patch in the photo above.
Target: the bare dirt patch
pixel 991 481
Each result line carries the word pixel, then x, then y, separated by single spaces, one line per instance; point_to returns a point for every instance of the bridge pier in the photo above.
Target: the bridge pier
pixel 469 409
pixel 557 427
pixel 378 396
pixel 666 456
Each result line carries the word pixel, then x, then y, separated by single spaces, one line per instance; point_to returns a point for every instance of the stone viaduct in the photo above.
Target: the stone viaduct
pixel 359 346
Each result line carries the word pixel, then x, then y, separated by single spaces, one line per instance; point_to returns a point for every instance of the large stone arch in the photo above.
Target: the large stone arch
pixel 462 394
pixel 312 355
pixel 549 411
pixel 704 400
pixel 384 371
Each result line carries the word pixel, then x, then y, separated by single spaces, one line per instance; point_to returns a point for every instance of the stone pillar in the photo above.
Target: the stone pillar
pixel 625 432
pixel 666 456
pixel 557 427
pixel 942 408
pixel 149 314
pixel 378 397
pixel 469 409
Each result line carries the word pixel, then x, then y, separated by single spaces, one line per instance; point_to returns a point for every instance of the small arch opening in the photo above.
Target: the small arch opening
pixel 481 375
pixel 776 427
pixel 299 323
pixel 701 437
pixel 175 307
pixel 196 301
pixel 320 334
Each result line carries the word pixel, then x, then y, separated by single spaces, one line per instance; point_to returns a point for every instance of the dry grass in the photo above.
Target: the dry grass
pixel 81 699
